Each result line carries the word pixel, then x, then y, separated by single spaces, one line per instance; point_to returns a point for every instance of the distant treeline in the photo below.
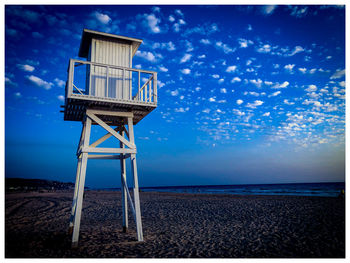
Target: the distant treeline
pixel 21 184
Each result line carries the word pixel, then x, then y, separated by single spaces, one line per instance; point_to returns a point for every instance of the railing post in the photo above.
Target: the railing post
pixel 138 92
pixel 70 77
pixel 107 75
pixel 155 87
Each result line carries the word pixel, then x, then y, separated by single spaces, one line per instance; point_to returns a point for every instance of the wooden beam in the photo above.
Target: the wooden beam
pixel 110 130
pixel 103 156
pixel 111 113
pixel 106 150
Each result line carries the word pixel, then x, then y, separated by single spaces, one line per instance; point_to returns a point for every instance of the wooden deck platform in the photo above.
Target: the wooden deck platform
pixel 77 104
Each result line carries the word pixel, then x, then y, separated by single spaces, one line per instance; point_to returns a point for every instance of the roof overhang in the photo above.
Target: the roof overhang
pixel 89 34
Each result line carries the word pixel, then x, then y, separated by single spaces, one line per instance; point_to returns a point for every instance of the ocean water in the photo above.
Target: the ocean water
pixel 299 189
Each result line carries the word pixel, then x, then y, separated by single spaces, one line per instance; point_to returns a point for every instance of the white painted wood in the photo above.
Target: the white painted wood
pixel 136 199
pixel 114 83
pixel 77 179
pixel 88 149
pixel 136 184
pixel 155 87
pixel 104 156
pixel 77 215
pixel 123 179
pixel 125 186
pixel 70 77
pixel 109 129
pixel 111 113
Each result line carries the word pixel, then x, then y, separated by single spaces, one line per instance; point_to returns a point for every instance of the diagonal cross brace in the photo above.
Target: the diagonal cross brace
pixel 110 130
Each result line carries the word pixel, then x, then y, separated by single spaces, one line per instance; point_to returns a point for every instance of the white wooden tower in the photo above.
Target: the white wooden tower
pixel 115 96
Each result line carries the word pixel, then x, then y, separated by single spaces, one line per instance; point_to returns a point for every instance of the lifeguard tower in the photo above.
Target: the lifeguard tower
pixel 105 90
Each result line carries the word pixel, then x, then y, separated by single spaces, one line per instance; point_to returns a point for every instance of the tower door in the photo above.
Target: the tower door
pixel 119 81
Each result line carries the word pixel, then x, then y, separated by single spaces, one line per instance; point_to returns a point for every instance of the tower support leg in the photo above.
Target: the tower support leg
pixel 136 184
pixel 81 184
pixel 123 186
pixel 74 203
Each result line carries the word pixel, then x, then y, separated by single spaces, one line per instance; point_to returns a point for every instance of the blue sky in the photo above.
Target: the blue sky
pixel 247 94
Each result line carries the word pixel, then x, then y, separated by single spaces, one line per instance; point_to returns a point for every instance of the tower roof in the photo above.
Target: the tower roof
pixel 89 34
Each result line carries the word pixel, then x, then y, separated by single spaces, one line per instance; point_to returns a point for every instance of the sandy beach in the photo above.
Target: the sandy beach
pixel 177 225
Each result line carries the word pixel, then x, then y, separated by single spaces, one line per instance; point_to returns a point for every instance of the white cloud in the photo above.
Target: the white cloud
pixel 280 86
pixel 60 98
pixel 206 110
pixel 169 46
pixel 268 9
pixel 312 71
pixel 174 93
pixel 338 74
pixel 26 67
pixel 224 47
pixel 151 22
pixel 264 49
pixel 231 68
pixel 39 82
pixel 244 43
pixel 160 84
pixel 18 95
pixel 266 114
pixel 238 112
pixel 185 58
pixel 202 56
pixel 236 79
pixel 275 94
pixel 256 82
pixel 147 55
pixel 311 88
pixel 289 67
pixel 284 84
pixel 185 71
pixel 163 69
pixel 296 50
pixel 181 109
pixel 205 41
pixel 298 11
pixel 268 83
pixel 221 81
pixel 171 18
pixel 211 99
pixel 253 93
pixel 59 82
pixel 302 70
pixel 102 18
pixel 156 9
pixel 255 104
pixel 179 12
pixel 176 27
pixel 223 90
pixel 239 102
pixel 215 76
pixel 342 84
pixel 285 101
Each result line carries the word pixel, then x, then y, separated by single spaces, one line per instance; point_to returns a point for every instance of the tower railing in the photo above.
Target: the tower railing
pixel 111 82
